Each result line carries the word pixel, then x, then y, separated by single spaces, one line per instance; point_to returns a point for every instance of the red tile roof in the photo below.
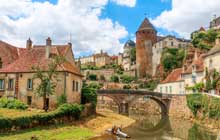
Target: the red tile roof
pixel 198 63
pixel 36 57
pixel 174 76
pixel 9 53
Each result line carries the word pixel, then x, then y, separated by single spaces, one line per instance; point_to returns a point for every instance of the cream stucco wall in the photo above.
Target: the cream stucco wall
pixel 212 61
pixel 171 88
pixel 24 92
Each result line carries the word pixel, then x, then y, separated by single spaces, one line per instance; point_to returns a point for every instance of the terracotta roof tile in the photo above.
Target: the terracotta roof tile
pixel 36 57
pixel 174 76
pixel 198 63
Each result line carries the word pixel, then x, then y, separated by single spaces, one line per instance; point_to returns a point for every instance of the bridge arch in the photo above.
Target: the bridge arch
pixel 162 104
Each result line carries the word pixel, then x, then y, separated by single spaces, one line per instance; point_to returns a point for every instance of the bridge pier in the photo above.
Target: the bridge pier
pixel 123 108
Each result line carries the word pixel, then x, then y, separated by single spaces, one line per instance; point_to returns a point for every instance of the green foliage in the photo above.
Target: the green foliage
pixel 197 133
pixel 204 40
pixel 47 84
pixel 150 84
pixel 71 111
pixel 209 106
pixel 172 58
pixel 62 99
pixel 114 78
pixel 102 78
pixel 12 104
pixel 89 94
pixel 89 67
pixel 126 79
pixel 198 87
pixel 92 77
pixel 133 54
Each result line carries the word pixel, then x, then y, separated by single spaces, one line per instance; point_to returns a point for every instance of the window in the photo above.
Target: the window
pixel 166 89
pixel 29 100
pixel 10 84
pixel 2 84
pixel 161 89
pixel 77 86
pixel 73 85
pixel 171 43
pixel 29 84
pixel 170 89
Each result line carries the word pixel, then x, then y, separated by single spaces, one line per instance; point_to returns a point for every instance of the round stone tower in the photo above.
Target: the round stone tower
pixel 146 37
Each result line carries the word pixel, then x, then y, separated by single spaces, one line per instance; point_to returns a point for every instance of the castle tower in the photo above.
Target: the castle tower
pixel 146 37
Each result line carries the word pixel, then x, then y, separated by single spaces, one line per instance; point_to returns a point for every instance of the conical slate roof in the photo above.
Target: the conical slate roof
pixel 146 25
pixel 130 43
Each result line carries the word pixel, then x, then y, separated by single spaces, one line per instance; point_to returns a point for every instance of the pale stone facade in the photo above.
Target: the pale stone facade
pixel 177 87
pixel 127 64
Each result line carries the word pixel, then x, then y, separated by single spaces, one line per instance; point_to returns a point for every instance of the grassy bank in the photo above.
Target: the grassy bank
pixel 60 132
pixel 79 130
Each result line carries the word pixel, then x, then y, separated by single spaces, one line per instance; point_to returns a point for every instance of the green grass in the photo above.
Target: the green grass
pixel 13 113
pixel 60 132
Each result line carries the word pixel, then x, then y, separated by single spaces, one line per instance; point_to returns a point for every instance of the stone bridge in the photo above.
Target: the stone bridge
pixel 170 104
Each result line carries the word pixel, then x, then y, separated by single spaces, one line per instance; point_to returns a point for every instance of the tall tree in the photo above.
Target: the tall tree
pixel 48 79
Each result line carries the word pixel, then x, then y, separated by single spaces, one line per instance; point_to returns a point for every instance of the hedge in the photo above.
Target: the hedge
pixel 65 112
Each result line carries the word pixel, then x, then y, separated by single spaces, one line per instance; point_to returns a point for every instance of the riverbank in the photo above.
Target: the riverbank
pixel 80 130
pixel 105 119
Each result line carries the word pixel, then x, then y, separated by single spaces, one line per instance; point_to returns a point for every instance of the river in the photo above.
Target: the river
pixel 155 127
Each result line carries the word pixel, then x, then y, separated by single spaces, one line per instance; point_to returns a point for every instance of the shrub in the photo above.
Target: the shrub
pixel 61 99
pixel 65 110
pixel 114 78
pixel 92 77
pixel 126 79
pixel 12 104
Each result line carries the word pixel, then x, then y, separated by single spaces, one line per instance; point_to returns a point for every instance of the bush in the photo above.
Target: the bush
pixel 114 78
pixel 92 77
pixel 71 111
pixel 61 99
pixel 12 104
pixel 126 79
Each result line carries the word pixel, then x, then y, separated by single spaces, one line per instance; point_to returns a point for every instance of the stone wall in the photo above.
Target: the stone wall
pixel 178 107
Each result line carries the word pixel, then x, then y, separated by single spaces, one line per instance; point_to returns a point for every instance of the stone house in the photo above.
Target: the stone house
pixel 127 64
pixel 16 75
pixel 173 84
pixel 102 59
pixel 194 73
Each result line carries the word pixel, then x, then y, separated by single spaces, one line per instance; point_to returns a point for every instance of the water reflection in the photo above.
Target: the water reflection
pixel 153 127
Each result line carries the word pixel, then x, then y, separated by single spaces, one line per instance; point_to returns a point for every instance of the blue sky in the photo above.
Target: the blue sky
pixel 99 24
pixel 131 17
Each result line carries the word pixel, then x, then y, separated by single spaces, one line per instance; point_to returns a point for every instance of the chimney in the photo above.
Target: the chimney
pixel 48 45
pixel 217 40
pixel 70 44
pixel 29 44
pixel 1 62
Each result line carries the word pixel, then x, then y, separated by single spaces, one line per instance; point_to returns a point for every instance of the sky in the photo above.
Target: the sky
pixel 94 25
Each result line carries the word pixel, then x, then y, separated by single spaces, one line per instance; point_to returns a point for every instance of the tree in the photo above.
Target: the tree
pixel 133 54
pixel 47 79
pixel 92 77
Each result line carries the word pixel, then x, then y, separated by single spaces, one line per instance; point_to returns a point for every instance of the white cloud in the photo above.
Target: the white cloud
pixel 21 19
pixel 187 16
pixel 129 3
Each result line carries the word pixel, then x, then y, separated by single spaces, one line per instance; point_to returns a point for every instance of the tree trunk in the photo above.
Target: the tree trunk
pixel 44 103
